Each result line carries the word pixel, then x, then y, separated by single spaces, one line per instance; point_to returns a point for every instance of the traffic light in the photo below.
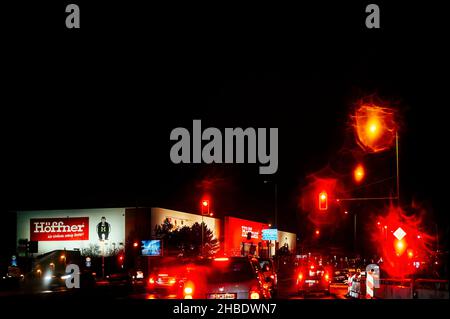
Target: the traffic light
pixel 121 259
pixel 205 206
pixel 323 200
pixel 400 247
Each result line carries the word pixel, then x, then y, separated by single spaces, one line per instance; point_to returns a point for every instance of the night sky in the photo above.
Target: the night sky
pixel 87 113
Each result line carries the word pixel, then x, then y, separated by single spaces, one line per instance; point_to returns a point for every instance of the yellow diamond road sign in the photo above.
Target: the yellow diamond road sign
pixel 399 233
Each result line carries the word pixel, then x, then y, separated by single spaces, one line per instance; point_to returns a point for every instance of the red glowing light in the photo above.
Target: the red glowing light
pixel 400 246
pixel 317 233
pixel 410 253
pixel 135 244
pixel 375 127
pixel 359 173
pixel 404 245
pixel 323 201
pixel 205 203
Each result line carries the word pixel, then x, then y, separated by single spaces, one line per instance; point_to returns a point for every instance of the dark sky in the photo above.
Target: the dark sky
pixel 87 113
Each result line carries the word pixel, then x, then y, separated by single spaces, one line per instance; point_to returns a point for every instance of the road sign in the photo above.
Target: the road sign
pixel 14 261
pixel 88 262
pixel 270 234
pixel 399 233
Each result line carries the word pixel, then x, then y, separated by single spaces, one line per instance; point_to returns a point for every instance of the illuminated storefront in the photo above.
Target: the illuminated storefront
pixel 73 229
pixel 110 229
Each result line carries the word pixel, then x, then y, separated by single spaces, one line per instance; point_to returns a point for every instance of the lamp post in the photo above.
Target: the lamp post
pixel 205 205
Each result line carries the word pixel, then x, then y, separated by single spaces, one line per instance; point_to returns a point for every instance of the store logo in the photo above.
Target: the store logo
pixel 58 227
pixel 230 149
pixel 246 230
pixel 53 229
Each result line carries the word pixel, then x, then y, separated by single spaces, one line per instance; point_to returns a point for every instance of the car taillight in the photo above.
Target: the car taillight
pixel 172 281
pixel 300 276
pixel 327 277
pixel 151 281
pixel 221 259
pixel 254 294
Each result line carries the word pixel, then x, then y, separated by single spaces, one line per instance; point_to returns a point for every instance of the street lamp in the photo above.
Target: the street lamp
pixel 359 173
pixel 377 131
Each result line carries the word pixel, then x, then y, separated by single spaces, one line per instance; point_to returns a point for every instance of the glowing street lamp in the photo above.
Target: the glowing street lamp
pixel 359 173
pixel 375 127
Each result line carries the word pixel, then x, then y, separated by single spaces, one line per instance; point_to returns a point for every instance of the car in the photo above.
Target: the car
pixel 270 274
pixel 313 279
pixel 181 279
pixel 236 278
pixel 340 276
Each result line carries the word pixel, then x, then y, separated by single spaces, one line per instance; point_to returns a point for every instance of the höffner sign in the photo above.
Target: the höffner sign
pixel 50 229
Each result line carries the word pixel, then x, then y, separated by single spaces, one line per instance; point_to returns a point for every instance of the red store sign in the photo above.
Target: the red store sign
pixel 54 229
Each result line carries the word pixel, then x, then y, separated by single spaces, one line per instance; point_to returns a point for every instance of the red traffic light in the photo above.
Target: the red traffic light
pixel 323 200
pixel 205 206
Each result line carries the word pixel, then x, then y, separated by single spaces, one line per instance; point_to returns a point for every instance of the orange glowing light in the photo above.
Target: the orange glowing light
pixel 375 127
pixel 323 201
pixel 359 173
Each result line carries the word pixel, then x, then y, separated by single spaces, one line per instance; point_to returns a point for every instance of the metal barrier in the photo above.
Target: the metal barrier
pixel 392 288
pixel 430 289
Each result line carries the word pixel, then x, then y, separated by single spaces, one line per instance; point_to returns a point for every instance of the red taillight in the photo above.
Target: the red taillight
pixel 151 281
pixel 221 259
pixel 254 294
pixel 300 276
pixel 327 277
